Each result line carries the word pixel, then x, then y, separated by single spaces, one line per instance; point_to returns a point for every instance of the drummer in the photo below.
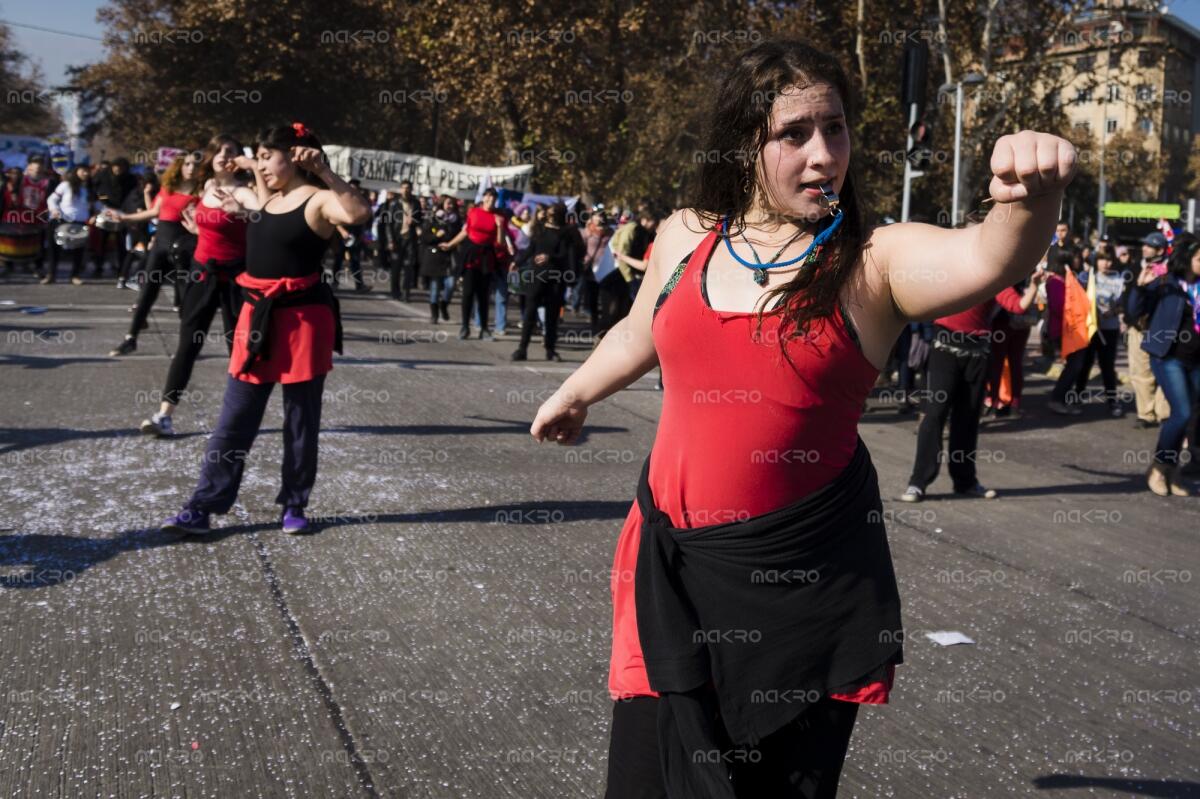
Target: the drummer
pixel 70 202
pixel 10 197
pixel 10 205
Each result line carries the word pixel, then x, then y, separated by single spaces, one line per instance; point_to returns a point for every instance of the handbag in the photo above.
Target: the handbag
pixel 605 262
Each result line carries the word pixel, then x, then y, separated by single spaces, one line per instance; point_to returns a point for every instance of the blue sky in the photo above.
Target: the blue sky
pixel 54 51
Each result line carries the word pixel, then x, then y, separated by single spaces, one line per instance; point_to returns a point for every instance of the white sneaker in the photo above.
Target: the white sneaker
pixel 912 494
pixel 979 491
pixel 159 425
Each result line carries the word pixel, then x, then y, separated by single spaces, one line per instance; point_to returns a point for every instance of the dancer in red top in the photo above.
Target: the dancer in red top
pixel 777 307
pixel 287 330
pixel 483 234
pixel 181 185
pixel 219 222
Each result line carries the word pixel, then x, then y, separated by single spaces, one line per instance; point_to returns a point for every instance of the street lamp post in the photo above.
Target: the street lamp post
pixel 1114 27
pixel 970 79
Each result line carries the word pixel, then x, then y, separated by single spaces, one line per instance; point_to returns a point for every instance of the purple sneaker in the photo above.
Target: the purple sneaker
pixel 294 521
pixel 189 522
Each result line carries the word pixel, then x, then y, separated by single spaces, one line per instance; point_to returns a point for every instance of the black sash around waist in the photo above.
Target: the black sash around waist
pixel 258 344
pixel 755 620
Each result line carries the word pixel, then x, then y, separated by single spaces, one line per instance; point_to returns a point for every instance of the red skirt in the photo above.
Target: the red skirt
pixel 302 336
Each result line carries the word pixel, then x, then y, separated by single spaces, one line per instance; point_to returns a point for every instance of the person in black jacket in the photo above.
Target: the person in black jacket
pixel 135 236
pixel 399 221
pixel 1171 301
pixel 113 185
pixel 435 263
pixel 545 267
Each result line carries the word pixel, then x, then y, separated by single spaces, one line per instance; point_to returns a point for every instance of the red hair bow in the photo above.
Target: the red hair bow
pixel 301 131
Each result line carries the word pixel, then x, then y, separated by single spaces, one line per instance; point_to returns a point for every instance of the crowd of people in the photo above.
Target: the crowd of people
pixel 974 368
pixel 961 371
pixel 549 257
pixel 137 226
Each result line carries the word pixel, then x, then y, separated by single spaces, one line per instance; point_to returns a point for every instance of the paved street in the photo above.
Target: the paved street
pixel 445 632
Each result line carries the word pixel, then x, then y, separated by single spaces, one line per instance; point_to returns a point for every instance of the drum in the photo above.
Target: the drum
pixel 20 242
pixel 71 236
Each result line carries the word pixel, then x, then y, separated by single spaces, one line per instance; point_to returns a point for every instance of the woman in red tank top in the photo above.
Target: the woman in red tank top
pixel 219 222
pixel 770 307
pixel 181 185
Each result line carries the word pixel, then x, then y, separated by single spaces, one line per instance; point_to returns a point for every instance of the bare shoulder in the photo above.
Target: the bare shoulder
pixel 679 234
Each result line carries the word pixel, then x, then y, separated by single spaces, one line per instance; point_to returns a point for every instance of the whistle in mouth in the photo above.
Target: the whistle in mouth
pixel 829 197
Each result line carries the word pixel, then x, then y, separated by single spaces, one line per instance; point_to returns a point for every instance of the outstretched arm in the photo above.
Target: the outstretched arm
pixel 142 216
pixel 934 272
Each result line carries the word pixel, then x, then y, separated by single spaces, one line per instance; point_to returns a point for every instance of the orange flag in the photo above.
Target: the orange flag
pixel 1079 315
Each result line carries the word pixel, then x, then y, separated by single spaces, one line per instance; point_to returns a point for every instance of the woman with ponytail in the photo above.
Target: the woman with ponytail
pixel 287 331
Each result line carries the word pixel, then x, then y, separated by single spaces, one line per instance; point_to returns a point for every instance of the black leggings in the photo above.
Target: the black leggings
pixel 1078 369
pixel 156 263
pixel 548 295
pixel 476 288
pixel 131 264
pixel 199 307
pixel 801 761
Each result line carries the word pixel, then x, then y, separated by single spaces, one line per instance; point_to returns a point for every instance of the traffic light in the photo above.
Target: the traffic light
pixel 920 153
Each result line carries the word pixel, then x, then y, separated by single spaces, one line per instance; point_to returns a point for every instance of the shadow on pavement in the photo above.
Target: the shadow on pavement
pixel 1170 789
pixel 48 560
pixel 37 362
pixel 15 439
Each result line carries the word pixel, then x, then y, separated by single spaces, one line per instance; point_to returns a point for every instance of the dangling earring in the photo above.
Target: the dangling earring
pixel 747 184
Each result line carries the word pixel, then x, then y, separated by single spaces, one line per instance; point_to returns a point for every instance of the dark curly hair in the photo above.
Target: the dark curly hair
pixel 739 123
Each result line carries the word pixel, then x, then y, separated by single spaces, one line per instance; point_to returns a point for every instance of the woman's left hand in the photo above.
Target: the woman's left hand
pixel 1030 164
pixel 308 158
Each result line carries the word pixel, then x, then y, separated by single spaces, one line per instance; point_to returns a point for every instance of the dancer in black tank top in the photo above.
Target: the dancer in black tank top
pixel 287 330
pixel 284 245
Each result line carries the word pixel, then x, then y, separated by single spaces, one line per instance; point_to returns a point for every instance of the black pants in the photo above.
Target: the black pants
pixel 75 255
pixel 549 295
pixel 340 252
pixel 801 761
pixel 1078 369
pixel 132 263
pixel 403 267
pixel 199 307
pixel 111 252
pixel 954 390
pixel 476 289
pixel 229 445
pixel 158 267
pixel 613 302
